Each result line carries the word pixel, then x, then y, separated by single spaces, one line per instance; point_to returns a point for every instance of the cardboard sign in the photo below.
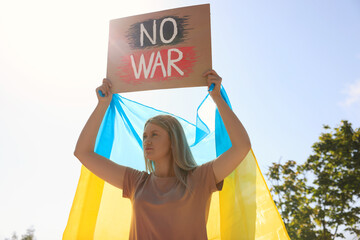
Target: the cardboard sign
pixel 160 50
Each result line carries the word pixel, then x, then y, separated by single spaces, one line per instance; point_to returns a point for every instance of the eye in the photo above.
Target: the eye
pixel 153 134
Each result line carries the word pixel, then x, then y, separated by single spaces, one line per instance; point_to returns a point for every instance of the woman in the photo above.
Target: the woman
pixel 172 202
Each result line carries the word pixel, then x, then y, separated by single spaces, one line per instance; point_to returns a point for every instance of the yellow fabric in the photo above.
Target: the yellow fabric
pixel 243 209
pixel 85 208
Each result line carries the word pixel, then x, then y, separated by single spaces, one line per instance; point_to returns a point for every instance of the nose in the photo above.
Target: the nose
pixel 147 145
pixel 147 142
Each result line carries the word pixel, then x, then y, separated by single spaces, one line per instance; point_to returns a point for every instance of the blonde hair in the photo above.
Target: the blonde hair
pixel 183 160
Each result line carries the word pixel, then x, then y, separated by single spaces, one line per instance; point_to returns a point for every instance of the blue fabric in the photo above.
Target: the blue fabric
pixel 127 118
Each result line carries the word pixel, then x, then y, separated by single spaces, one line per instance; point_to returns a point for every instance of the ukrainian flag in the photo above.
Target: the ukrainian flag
pixel 243 209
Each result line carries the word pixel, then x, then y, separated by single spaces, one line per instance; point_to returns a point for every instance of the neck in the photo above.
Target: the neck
pixel 164 167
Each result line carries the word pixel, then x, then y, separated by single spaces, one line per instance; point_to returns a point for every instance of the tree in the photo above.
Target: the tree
pixel 28 236
pixel 318 209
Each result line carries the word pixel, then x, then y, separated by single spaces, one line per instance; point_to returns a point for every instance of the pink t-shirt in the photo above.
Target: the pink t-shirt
pixel 164 209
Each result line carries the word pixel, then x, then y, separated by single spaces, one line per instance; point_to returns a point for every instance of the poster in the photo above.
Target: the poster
pixel 160 50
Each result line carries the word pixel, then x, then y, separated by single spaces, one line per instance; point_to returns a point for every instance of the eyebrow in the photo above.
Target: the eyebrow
pixel 152 131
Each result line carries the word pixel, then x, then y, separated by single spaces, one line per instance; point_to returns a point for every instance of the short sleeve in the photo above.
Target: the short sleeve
pixel 132 179
pixel 205 174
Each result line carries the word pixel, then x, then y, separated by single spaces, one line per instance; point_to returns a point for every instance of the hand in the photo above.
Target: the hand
pixel 105 88
pixel 213 77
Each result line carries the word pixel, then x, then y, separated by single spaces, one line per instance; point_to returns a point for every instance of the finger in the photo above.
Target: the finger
pixel 210 72
pixel 211 77
pixel 104 83
pixel 107 91
pixel 108 81
pixel 103 90
pixel 211 87
pixel 108 85
pixel 206 71
pixel 100 92
pixel 209 81
pixel 106 88
pixel 216 82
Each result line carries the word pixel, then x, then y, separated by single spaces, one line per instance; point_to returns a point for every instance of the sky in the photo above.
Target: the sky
pixel 288 68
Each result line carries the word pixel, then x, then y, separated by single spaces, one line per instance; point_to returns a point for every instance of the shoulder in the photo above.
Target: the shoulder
pixel 205 177
pixel 133 178
pixel 203 168
pixel 135 174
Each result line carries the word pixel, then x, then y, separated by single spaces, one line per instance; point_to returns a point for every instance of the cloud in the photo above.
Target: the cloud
pixel 352 92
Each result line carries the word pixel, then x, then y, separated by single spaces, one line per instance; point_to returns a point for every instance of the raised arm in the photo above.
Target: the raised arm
pixel 102 167
pixel 229 160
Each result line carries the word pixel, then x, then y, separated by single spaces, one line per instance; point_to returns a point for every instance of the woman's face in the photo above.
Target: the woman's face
pixel 156 142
